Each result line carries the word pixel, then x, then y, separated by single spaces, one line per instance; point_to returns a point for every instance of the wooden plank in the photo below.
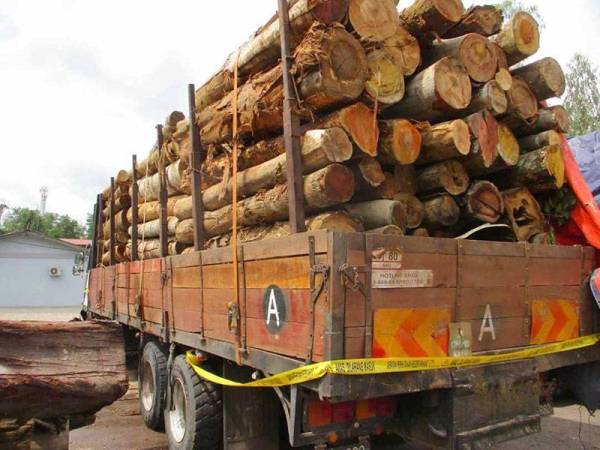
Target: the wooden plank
pixel 153 315
pixel 414 298
pixel 480 248
pixel 187 277
pixel 509 332
pixel 188 260
pixel 554 251
pixel 492 271
pixel 554 272
pixel 472 303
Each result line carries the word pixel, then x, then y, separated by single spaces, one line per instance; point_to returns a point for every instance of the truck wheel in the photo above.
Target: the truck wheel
pixel 152 385
pixel 195 420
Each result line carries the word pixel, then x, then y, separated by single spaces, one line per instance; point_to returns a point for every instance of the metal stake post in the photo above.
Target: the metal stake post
pixel 163 195
pixel 99 234
pixel 197 159
pixel 134 209
pixel 291 128
pixel 93 256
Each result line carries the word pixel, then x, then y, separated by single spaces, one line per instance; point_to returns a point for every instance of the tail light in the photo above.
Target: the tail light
pixel 323 413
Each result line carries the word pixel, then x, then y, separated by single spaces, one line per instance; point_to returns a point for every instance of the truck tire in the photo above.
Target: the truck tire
pixel 195 419
pixel 152 385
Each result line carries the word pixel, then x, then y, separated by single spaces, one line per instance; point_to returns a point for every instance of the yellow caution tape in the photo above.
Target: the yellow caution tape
pixel 391 365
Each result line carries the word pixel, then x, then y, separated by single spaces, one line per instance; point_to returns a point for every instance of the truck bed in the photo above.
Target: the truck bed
pixel 327 296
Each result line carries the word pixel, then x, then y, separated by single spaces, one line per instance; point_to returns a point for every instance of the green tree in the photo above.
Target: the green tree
pixel 52 225
pixel 510 7
pixel 89 226
pixel 582 99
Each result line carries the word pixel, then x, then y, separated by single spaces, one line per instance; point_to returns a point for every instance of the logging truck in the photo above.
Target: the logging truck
pixel 325 296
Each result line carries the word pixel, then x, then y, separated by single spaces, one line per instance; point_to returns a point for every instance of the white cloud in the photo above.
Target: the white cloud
pixel 84 83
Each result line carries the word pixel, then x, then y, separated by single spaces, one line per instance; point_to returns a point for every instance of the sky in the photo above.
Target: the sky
pixel 83 84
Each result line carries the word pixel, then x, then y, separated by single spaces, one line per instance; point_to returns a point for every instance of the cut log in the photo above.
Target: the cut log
pixel 373 20
pixel 378 213
pixel 406 179
pixel 485 20
pixel 151 229
pixel 151 249
pixel 508 155
pixel 388 230
pixel 52 370
pixel 545 78
pixel 484 130
pixel 319 149
pixel 386 190
pixel 151 210
pixel 149 188
pixel 360 122
pixel 264 48
pixel 368 173
pixel 504 79
pixel 427 19
pixel 385 85
pixel 331 221
pixel 405 51
pixel 501 55
pixel 400 141
pixel 475 53
pixel 330 68
pixel 322 189
pixel 420 232
pixel 519 37
pixel 524 213
pixel 553 118
pixel 537 141
pixel 491 97
pixel 449 176
pixel 441 88
pixel 539 170
pixel 522 103
pixel 483 202
pixel 444 141
pixel 413 207
pixel 440 212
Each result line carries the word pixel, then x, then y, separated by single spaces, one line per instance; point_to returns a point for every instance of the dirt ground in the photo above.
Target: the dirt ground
pixel 120 427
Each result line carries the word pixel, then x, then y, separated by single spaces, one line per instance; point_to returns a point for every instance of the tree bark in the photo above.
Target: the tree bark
pixel 331 221
pixel 151 210
pixel 430 18
pixel 435 92
pixel 473 51
pixel 404 49
pixel 537 141
pixel 151 229
pixel 413 207
pixel 449 176
pixel 373 20
pixel 378 213
pixel 445 141
pixel 519 37
pixel 440 212
pixel 149 188
pixel 400 141
pixel 330 69
pixel 406 179
pixel 319 149
pixel 483 202
pixel 385 85
pixel 327 187
pixel 539 170
pixel 151 248
pixel 524 213
pixel 264 48
pixel 52 370
pixel 485 20
pixel 545 78
pixel 360 122
pixel 553 118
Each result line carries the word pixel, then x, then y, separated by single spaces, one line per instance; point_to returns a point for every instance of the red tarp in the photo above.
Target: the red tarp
pixel 584 225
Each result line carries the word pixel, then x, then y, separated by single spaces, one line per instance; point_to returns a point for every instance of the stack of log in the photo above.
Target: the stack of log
pixel 425 121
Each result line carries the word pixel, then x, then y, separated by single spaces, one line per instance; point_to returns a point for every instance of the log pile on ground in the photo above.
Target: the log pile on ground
pixel 424 121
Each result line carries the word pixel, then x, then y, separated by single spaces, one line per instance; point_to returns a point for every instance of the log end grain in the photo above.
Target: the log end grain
pixel 374 20
pixel 401 140
pixel 479 57
pixel 504 79
pixel 338 184
pixel 329 11
pixel 522 101
pixel 386 79
pixel 370 172
pixel 526 32
pixel 508 146
pixel 452 10
pixel 484 202
pixel 440 212
pixel 414 209
pixel 405 50
pixel 452 84
pixel 361 123
pixel 555 164
pixel 524 213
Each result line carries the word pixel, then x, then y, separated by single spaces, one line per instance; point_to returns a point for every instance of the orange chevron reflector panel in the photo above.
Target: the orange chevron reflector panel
pixel 554 321
pixel 415 333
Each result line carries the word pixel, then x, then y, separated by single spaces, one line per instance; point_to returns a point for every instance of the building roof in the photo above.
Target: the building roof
pixel 32 234
pixel 78 242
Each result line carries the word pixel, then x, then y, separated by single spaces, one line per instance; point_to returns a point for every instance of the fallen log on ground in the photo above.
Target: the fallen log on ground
pixel 50 370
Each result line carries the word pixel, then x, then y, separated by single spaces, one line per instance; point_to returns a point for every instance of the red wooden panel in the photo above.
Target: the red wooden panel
pixel 509 332
pixel 554 272
pixel 472 303
pixel 492 271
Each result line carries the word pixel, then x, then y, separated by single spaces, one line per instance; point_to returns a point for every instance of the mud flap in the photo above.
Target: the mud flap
pixel 487 405
pixel 583 382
